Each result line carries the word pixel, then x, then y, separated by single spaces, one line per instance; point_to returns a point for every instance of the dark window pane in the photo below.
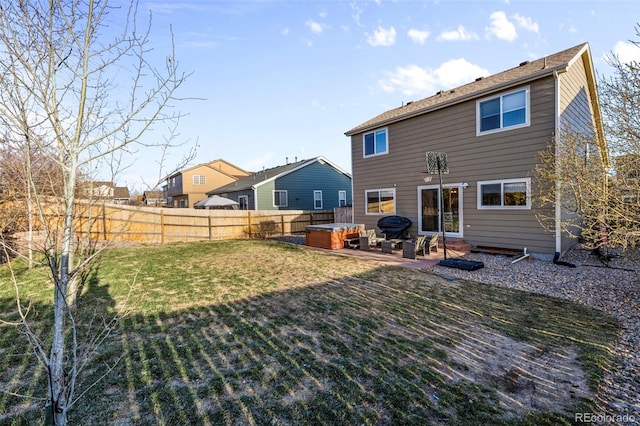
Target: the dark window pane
pixel 513 118
pixel 491 194
pixel 369 147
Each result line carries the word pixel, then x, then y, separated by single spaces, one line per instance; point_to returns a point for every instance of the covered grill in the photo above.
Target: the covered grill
pixel 394 227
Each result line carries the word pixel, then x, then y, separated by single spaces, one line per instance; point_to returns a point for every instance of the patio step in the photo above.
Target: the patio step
pixel 457 244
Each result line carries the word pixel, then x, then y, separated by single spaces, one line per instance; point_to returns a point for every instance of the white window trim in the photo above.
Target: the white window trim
pixel 366 209
pixel 245 197
pixel 286 195
pixel 342 196
pixel 527 181
pixel 364 155
pixel 315 193
pixel 199 179
pixel 504 129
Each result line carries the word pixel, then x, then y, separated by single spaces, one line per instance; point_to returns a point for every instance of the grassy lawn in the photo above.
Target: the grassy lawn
pixel 241 332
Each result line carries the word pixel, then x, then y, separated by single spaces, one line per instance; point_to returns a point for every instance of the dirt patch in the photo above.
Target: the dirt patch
pixel 526 377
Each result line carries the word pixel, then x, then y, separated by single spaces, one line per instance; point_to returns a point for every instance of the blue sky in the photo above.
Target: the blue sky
pixel 284 79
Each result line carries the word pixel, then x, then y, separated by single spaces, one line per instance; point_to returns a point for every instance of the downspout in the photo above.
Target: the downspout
pixel 255 197
pixel 558 206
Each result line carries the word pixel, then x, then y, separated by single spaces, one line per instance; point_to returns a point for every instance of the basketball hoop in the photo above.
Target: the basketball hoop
pixel 426 177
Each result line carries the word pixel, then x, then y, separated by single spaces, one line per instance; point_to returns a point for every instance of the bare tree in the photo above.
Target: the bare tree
pixel 81 95
pixel 600 199
pixel 572 174
pixel 620 97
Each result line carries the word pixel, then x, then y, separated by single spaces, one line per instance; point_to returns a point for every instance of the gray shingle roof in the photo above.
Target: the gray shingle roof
pixel 249 181
pixel 482 86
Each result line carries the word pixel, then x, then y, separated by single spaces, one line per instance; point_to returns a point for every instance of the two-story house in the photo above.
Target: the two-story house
pixel 491 131
pixel 314 184
pixel 186 187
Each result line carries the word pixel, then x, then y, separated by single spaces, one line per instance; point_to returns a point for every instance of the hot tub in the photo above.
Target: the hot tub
pixel 331 235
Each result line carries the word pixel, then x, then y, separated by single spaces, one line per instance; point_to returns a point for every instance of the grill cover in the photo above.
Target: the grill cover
pixel 394 226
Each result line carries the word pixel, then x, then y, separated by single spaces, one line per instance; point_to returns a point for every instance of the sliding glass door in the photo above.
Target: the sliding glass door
pixel 429 204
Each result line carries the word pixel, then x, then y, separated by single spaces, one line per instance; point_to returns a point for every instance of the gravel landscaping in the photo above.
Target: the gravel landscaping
pixel 614 289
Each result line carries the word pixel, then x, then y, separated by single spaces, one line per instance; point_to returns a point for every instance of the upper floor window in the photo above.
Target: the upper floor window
pixel 199 180
pixel 507 194
pixel 280 198
pixel 510 110
pixel 375 143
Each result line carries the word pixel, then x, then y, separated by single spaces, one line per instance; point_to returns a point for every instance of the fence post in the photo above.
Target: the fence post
pixel 310 218
pixel 161 226
pixel 104 222
pixel 209 223
pixel 249 222
pixel 282 225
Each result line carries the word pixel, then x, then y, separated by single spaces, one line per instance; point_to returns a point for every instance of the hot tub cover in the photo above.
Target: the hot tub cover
pixel 333 227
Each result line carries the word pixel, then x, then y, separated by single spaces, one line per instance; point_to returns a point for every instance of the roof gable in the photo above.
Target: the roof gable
pixel 525 72
pixel 267 175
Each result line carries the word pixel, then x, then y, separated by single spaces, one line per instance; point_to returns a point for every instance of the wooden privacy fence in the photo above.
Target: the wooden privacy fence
pixel 164 225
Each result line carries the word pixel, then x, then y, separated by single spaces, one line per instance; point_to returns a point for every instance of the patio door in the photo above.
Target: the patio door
pixel 430 214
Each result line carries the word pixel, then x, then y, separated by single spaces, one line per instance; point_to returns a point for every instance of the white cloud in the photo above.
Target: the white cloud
pixel 415 80
pixel 501 27
pixel 461 34
pixel 314 26
pixel 526 23
pixel 626 52
pixel 382 37
pixel 284 31
pixel 418 36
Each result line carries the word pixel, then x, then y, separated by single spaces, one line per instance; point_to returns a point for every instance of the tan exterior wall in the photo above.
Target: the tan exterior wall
pixel 213 179
pixel 503 155
pixel 576 114
pixel 228 168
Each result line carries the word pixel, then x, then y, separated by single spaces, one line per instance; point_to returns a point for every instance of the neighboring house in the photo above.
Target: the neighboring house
pixel 154 199
pixel 315 184
pixel 103 190
pixel 491 130
pixel 188 186
pixel 627 178
pixel 121 195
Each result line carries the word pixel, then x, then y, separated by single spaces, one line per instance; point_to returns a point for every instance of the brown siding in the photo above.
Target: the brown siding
pixel 576 114
pixel 503 155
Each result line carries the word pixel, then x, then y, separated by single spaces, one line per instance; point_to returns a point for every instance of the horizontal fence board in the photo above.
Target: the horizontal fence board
pixel 122 223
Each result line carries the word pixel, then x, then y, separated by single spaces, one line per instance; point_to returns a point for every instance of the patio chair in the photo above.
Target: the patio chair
pixel 433 243
pixel 411 248
pixel 369 238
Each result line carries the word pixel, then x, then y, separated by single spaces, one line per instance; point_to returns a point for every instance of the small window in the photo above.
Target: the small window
pixel 505 194
pixel 507 111
pixel 280 198
pixel 199 180
pixel 342 198
pixel 375 143
pixel 317 200
pixel 243 200
pixel 380 201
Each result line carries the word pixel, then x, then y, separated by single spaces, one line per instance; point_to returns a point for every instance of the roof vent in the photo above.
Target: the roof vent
pixel 523 63
pixel 439 92
pixel 479 78
pixel 452 91
pixel 409 103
